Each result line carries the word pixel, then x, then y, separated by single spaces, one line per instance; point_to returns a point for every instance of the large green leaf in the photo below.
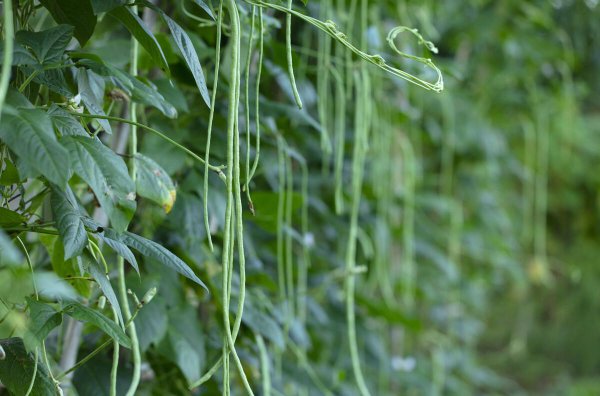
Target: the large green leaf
pixel 89 315
pixel 65 123
pixel 91 90
pixel 107 175
pixel 78 13
pixel 153 182
pixel 189 55
pixel 17 368
pixel 142 34
pixel 29 133
pixel 184 43
pixel 10 218
pixel 48 46
pixel 65 210
pixel 42 320
pixel 155 251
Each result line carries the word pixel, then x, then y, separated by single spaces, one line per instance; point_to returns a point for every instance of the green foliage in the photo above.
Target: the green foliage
pixel 315 219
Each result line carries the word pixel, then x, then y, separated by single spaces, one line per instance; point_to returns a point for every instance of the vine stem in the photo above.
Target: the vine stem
pixel 331 29
pixel 9 38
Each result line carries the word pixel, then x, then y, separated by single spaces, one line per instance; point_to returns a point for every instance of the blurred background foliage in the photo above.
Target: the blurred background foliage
pixel 478 227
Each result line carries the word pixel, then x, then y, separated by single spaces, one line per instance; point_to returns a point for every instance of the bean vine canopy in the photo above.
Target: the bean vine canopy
pixel 268 197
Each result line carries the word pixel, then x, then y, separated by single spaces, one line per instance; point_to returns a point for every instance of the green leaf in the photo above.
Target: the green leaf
pixel 189 55
pixel 51 287
pixel 28 132
pixel 21 56
pixel 65 210
pixel 42 320
pixel 138 90
pixel 64 123
pixel 48 46
pixel 107 175
pixel 64 268
pixel 88 315
pixel 10 174
pixel 120 248
pixel 185 343
pixel 16 370
pixel 142 34
pixel 205 7
pixel 154 183
pixel 262 323
pixel 91 90
pixel 10 218
pixel 99 274
pixel 155 251
pixel 106 5
pixel 78 13
pixel 151 323
pixel 9 254
pixel 54 79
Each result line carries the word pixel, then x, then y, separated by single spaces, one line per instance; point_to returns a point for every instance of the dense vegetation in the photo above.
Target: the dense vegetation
pixel 282 197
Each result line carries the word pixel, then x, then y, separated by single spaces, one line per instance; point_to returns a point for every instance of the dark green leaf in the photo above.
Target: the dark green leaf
pixel 205 7
pixel 189 55
pixel 65 123
pixel 106 5
pixel 21 55
pixel 42 320
pixel 48 46
pixel 16 370
pixel 29 133
pixel 107 175
pixel 89 315
pixel 142 34
pixel 155 251
pixel 10 174
pixel 91 90
pixel 78 13
pixel 10 218
pixel 55 80
pixel 65 210
pixel 154 183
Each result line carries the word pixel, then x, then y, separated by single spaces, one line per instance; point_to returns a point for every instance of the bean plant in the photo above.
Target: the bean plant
pixel 270 197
